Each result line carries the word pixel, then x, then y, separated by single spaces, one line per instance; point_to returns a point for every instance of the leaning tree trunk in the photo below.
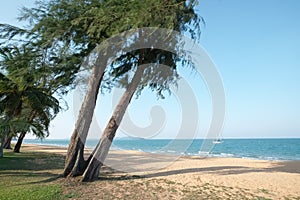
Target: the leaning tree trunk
pixel 7 143
pixel 1 147
pixel 75 163
pixel 19 142
pixel 1 151
pixel 22 135
pixel 102 148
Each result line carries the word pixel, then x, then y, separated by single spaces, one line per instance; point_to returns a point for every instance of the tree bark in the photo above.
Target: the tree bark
pixel 7 143
pixel 75 163
pixel 80 163
pixel 1 147
pixel 102 148
pixel 1 151
pixel 19 142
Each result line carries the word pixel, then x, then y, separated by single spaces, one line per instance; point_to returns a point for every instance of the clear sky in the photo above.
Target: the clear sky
pixel 256 47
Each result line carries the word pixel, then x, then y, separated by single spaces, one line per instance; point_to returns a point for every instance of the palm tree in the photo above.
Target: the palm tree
pixel 10 105
pixel 25 106
pixel 32 106
pixel 39 109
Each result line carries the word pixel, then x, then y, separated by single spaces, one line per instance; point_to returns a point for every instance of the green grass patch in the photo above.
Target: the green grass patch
pixel 31 192
pixel 31 161
pixel 30 175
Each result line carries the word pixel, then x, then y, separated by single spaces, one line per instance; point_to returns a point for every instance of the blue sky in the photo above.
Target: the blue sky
pixel 256 47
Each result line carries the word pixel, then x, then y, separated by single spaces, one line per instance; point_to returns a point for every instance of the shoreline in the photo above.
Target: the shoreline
pixel 63 150
pixel 222 155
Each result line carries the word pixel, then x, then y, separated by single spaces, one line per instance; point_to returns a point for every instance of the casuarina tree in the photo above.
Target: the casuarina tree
pixel 75 27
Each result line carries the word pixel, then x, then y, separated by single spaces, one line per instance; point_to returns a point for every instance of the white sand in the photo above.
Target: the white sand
pixel 282 178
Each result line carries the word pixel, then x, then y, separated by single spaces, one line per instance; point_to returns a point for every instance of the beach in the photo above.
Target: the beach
pixel 263 178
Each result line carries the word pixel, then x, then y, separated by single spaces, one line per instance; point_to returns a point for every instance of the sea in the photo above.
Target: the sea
pixel 264 149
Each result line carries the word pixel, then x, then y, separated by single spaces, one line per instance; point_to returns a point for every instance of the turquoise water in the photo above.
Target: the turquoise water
pixel 267 149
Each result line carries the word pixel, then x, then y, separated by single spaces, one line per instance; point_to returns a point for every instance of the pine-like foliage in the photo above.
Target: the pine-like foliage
pixel 70 29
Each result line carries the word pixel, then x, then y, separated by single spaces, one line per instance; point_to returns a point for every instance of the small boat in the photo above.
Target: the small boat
pixel 217 141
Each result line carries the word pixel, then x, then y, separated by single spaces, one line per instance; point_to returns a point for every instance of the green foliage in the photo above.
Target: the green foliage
pixel 44 58
pixel 26 103
pixel 71 29
pixel 86 23
pixel 31 192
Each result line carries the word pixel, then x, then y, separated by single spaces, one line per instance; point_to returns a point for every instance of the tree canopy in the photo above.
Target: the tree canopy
pixel 62 33
pixel 68 30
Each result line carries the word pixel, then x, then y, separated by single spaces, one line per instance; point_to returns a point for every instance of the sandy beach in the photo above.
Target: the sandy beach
pixel 270 179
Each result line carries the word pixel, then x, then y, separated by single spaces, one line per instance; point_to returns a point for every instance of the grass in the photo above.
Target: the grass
pixel 29 175
pixel 31 192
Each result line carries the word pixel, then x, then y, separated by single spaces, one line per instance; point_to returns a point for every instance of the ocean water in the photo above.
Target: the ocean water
pixel 266 149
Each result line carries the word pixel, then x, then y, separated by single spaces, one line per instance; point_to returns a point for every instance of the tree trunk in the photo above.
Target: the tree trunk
pixel 75 163
pixel 1 147
pixel 19 142
pixel 1 151
pixel 7 143
pixel 102 148
pixel 80 164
